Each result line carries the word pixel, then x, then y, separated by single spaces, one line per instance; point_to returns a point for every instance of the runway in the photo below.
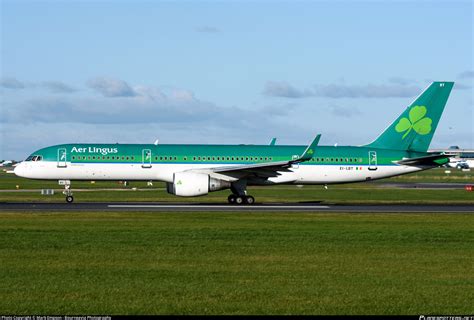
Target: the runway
pixel 208 207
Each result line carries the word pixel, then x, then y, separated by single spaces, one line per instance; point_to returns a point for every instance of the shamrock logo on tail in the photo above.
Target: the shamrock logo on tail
pixel 417 121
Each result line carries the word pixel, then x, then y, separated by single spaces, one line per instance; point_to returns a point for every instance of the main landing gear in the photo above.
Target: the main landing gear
pixel 67 190
pixel 236 199
pixel 239 194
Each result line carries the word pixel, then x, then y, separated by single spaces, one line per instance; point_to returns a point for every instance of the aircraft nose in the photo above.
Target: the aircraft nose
pixel 20 170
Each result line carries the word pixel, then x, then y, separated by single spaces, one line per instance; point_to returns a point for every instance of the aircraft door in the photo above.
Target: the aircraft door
pixel 62 153
pixel 372 160
pixel 146 158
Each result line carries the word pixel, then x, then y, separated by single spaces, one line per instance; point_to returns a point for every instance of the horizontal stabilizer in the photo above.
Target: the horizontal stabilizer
pixel 432 160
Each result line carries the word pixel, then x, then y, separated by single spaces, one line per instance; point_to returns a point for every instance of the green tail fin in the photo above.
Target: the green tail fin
pixel 415 127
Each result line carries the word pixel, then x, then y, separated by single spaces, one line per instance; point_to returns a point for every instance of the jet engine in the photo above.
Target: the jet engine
pixel 191 184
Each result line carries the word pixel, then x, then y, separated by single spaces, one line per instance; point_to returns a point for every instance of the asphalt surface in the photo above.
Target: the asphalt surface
pixel 206 207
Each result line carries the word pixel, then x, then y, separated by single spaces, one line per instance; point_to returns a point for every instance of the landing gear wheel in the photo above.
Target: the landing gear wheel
pixel 239 200
pixel 69 199
pixel 231 198
pixel 249 200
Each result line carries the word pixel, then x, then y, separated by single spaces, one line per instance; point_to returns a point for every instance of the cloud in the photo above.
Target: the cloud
pixel 57 87
pixel 207 29
pixel 147 105
pixel 366 91
pixel 283 89
pixel 110 87
pixel 460 86
pixel 345 112
pixel 52 86
pixel 11 83
pixel 400 80
pixel 466 74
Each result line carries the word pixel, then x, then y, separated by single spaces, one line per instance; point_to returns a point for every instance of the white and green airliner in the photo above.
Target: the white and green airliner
pixel 191 170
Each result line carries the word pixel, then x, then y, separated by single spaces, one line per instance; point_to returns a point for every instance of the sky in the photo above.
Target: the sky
pixel 228 72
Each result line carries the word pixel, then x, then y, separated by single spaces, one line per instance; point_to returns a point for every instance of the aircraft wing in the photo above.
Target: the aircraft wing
pixel 431 160
pixel 260 170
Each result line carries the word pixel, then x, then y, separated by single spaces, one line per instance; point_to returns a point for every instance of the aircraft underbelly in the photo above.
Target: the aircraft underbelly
pixel 326 174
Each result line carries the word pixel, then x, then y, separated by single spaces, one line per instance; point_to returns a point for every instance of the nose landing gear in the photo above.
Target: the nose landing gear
pixel 67 190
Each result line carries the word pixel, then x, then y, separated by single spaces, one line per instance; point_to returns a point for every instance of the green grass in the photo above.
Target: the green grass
pixel 239 263
pixel 334 195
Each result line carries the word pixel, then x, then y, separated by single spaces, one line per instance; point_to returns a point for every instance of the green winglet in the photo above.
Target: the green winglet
pixel 272 143
pixel 309 152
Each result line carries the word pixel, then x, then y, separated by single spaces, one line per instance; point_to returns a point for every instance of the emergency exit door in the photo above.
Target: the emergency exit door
pixel 62 153
pixel 372 160
pixel 146 158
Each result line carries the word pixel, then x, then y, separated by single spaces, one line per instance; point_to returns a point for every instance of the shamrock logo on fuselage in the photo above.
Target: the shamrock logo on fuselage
pixel 417 121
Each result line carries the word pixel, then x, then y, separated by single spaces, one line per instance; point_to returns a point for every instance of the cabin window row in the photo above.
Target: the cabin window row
pixel 204 158
pixel 346 160
pixel 128 158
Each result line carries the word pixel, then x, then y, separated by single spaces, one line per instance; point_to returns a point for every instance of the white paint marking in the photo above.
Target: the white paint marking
pixel 211 206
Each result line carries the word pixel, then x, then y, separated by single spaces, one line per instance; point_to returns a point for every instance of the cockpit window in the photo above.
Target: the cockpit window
pixel 34 158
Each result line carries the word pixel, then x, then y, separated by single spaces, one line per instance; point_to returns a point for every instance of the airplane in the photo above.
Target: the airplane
pixel 6 163
pixel 195 169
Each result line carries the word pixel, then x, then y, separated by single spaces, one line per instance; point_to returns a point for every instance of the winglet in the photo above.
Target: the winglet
pixel 272 143
pixel 308 153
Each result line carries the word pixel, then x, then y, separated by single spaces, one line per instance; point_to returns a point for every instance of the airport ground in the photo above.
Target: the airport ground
pixel 272 262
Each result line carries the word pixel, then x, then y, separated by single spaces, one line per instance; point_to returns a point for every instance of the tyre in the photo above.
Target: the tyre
pixel 249 200
pixel 231 198
pixel 239 200
pixel 69 199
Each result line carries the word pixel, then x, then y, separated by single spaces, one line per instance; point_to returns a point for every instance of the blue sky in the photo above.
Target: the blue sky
pixel 228 72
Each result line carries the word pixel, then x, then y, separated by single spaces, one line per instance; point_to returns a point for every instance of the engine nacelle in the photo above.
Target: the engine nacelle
pixel 191 184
